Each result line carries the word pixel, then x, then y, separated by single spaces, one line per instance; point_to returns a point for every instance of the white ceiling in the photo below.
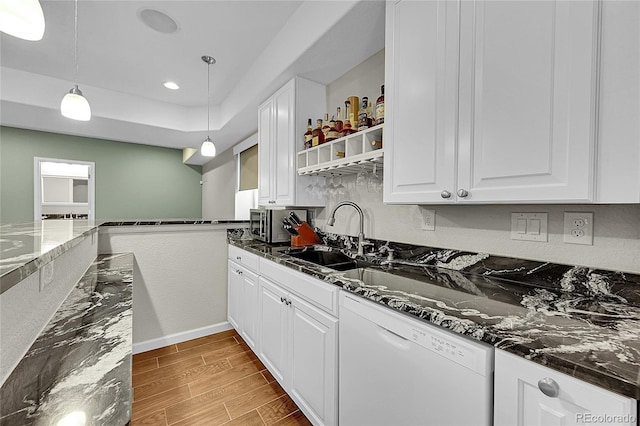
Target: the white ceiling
pixel 258 46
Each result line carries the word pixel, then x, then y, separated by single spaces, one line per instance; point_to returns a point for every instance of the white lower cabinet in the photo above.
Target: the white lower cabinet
pixel 243 303
pixel 529 394
pixel 299 346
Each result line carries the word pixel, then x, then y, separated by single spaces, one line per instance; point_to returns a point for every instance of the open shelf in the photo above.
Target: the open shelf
pixel 345 155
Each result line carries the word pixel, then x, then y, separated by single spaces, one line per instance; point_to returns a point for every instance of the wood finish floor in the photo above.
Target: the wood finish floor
pixel 212 380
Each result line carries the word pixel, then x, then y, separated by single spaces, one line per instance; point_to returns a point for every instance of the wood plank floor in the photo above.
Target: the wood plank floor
pixel 212 380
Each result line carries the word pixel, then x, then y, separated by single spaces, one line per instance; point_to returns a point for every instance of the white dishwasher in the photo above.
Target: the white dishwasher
pixel 395 370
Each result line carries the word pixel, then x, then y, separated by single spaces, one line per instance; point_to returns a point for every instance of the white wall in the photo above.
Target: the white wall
pixel 487 228
pixel 25 309
pixel 362 80
pixel 219 181
pixel 179 280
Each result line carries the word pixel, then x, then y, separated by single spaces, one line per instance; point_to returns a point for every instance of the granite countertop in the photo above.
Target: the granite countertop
pixel 26 247
pixel 576 320
pixel 79 368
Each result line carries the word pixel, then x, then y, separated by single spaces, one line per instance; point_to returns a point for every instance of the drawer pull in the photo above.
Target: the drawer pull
pixel 549 387
pixel 238 258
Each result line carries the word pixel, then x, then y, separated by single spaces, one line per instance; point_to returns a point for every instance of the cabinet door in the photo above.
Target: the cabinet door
pixel 420 101
pixel 314 352
pixel 265 164
pixel 527 100
pixel 518 400
pixel 274 329
pixel 250 308
pixel 283 146
pixel 234 296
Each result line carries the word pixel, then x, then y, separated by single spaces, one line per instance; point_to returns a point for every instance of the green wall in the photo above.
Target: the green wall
pixel 132 181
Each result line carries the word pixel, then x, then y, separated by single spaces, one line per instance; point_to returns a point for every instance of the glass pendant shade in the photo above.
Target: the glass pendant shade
pixel 75 106
pixel 22 18
pixel 208 149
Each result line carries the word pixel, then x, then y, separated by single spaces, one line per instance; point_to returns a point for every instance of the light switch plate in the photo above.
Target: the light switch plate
pixel 529 226
pixel 428 219
pixel 578 228
pixel 47 274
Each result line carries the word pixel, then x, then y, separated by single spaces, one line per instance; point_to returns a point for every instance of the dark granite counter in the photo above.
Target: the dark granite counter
pixel 80 366
pixel 576 320
pixel 26 247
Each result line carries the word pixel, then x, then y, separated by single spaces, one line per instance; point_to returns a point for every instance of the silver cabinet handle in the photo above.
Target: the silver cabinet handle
pixel 282 299
pixel 289 302
pixel 238 258
pixel 549 387
pixel 445 194
pixel 462 193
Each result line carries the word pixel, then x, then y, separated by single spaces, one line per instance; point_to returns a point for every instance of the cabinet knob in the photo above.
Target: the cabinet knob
pixel 238 258
pixel 462 193
pixel 445 194
pixel 282 299
pixel 549 387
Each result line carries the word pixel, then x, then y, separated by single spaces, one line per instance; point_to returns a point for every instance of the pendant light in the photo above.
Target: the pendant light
pixel 74 105
pixel 22 18
pixel 208 149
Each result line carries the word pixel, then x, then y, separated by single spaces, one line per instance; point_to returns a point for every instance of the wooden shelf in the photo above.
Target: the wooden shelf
pixel 359 152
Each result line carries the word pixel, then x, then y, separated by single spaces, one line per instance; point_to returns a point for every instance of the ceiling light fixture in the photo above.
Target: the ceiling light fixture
pixel 208 149
pixel 22 18
pixel 74 105
pixel 171 85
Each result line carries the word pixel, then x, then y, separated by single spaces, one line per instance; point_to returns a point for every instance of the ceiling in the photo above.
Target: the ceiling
pixel 258 45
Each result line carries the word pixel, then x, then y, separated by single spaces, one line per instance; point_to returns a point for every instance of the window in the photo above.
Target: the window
pixel 248 165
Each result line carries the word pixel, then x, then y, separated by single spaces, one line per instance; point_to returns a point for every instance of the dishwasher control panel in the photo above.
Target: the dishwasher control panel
pixel 454 349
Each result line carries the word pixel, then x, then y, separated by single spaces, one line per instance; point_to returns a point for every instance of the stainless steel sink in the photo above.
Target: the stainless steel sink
pixel 323 256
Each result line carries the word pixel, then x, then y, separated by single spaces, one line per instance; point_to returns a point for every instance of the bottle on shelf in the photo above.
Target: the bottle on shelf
pixel 379 116
pixel 339 122
pixel 364 116
pixel 354 101
pixel 317 135
pixel 340 154
pixel 308 135
pixel 332 133
pixel 376 144
pixel 347 129
pixel 325 125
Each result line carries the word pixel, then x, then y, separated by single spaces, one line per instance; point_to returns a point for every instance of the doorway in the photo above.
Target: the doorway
pixel 63 189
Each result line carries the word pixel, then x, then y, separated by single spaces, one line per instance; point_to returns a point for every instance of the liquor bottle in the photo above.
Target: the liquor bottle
pixel 325 125
pixel 364 116
pixel 339 123
pixel 318 136
pixel 353 114
pixel 347 129
pixel 308 135
pixel 332 133
pixel 340 154
pixel 380 107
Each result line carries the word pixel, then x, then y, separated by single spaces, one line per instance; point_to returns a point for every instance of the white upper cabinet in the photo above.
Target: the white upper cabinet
pixel 282 121
pixel 490 101
pixel 421 60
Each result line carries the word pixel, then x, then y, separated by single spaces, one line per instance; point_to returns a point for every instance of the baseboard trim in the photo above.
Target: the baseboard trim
pixel 180 337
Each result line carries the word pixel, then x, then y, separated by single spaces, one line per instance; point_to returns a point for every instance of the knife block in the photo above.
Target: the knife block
pixel 306 236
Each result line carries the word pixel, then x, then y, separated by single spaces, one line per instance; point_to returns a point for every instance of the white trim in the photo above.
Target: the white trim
pixel 180 337
pixel 37 187
pixel 246 144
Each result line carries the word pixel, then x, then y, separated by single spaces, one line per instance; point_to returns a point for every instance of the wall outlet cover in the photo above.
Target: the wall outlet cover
pixel 428 219
pixel 47 274
pixel 578 228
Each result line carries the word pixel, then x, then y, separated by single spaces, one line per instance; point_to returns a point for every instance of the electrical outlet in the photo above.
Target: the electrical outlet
pixel 578 228
pixel 428 219
pixel 46 275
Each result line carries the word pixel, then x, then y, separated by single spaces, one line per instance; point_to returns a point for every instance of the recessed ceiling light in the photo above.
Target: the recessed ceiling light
pixel 158 21
pixel 171 85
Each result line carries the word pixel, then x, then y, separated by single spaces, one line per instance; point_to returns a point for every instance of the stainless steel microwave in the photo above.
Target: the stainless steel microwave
pixel 266 224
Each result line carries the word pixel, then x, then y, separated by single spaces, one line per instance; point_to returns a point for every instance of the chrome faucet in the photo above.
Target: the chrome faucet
pixel 332 219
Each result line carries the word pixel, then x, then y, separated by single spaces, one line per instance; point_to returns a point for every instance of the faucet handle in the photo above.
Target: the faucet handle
pixel 390 253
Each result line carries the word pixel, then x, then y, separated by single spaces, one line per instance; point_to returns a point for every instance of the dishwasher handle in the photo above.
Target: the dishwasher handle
pixel 394 338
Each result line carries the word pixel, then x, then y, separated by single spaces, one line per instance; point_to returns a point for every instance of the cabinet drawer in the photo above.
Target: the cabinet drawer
pixel 525 392
pixel 322 295
pixel 243 258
